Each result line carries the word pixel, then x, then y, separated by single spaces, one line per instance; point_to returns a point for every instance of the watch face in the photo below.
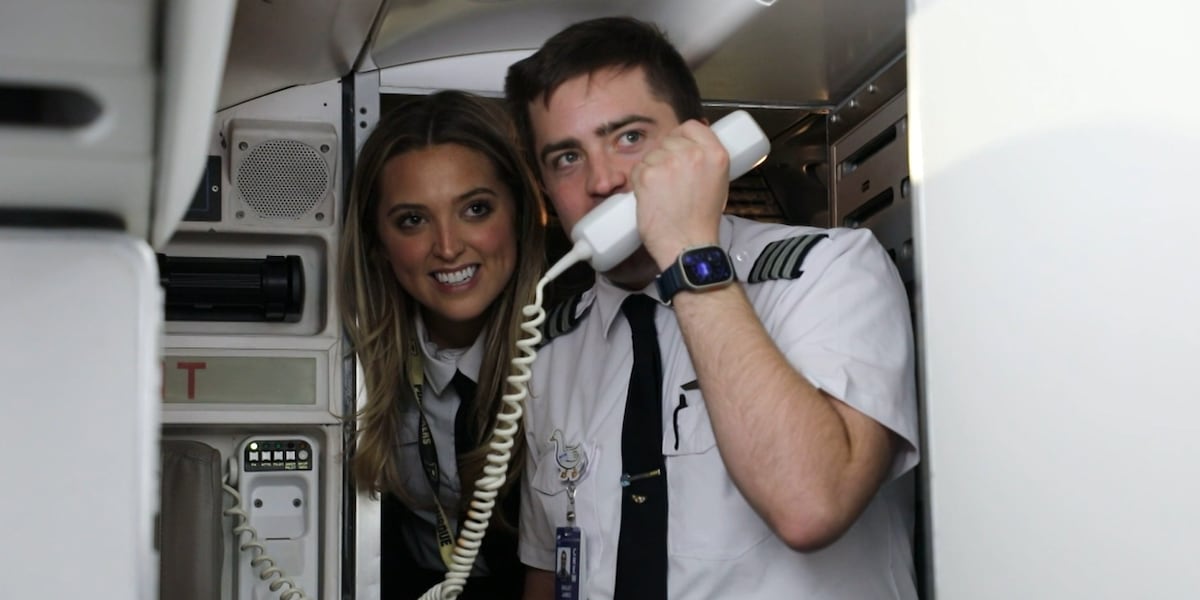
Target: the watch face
pixel 705 266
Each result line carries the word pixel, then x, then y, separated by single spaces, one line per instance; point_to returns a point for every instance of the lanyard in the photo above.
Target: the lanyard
pixel 428 452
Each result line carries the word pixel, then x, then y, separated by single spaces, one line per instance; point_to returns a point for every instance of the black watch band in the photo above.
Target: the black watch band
pixel 697 269
pixel 670 282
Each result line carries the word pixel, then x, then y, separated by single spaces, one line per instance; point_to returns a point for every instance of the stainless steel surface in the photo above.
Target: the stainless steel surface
pixel 868 97
pixel 870 182
pixel 805 52
pixel 797 171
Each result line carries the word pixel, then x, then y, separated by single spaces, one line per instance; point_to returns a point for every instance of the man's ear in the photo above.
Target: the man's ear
pixel 705 121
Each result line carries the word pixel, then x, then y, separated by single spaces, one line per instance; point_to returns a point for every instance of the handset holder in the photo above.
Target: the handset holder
pixel 278 476
pixel 608 234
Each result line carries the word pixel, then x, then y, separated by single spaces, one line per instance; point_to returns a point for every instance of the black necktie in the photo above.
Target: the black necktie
pixel 642 549
pixel 465 434
pixel 401 573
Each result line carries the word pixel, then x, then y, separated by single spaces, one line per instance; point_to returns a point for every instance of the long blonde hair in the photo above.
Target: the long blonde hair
pixel 379 315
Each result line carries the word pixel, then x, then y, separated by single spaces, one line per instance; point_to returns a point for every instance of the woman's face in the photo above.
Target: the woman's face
pixel 448 227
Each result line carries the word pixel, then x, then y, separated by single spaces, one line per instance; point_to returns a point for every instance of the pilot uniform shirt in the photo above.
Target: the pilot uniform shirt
pixel 843 323
pixel 440 402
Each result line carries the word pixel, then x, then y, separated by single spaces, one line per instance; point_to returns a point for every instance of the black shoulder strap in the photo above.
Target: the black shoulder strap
pixel 782 259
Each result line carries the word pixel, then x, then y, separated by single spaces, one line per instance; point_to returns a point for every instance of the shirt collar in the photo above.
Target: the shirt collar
pixel 440 364
pixel 609 297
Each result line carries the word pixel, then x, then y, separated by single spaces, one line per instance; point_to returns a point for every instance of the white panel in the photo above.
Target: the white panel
pixel 198 31
pixel 1053 160
pixel 226 437
pixel 368 579
pixel 366 99
pixel 307 106
pixel 478 73
pixel 277 45
pixel 368 527
pixel 82 31
pixel 103 49
pixel 460 44
pixel 318 333
pixel 79 319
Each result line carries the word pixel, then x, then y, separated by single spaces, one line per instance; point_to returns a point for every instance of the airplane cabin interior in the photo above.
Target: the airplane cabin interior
pixel 175 373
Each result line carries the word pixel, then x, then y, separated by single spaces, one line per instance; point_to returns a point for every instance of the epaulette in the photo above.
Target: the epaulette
pixel 562 318
pixel 782 259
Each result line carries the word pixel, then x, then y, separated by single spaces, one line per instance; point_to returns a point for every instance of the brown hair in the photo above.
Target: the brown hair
pixel 379 315
pixel 589 46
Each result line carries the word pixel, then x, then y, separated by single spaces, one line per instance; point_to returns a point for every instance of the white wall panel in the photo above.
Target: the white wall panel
pixel 80 320
pixel 1053 147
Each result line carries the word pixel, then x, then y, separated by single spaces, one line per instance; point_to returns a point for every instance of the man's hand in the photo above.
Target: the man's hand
pixel 681 189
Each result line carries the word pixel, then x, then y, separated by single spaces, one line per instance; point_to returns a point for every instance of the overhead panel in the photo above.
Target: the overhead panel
pixel 798 53
pixel 277 45
pixel 468 44
pixel 805 53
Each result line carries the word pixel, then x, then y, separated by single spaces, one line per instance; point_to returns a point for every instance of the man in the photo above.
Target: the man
pixel 786 405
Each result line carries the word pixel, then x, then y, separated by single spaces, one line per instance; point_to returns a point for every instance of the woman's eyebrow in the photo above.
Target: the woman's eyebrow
pixel 483 189
pixel 401 207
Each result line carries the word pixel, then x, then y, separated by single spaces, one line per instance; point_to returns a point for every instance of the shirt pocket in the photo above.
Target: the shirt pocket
pixel 547 481
pixel 709 518
pixel 409 467
pixel 549 484
pixel 554 467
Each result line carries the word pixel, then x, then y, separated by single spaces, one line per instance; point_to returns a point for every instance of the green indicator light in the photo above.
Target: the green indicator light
pixel 254 445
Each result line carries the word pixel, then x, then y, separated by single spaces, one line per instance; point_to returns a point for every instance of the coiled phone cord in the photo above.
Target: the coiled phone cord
pixel 270 572
pixel 508 424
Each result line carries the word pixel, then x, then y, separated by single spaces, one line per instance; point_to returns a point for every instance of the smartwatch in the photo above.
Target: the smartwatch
pixel 696 270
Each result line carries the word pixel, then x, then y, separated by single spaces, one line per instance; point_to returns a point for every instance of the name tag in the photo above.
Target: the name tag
pixel 568 570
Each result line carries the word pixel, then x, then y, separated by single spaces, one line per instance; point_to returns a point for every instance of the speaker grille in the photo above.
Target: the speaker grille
pixel 282 179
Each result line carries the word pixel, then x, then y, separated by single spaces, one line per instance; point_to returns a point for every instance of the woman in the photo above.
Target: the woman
pixel 442 246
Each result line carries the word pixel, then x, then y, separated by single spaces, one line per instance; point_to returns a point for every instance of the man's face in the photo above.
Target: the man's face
pixel 588 138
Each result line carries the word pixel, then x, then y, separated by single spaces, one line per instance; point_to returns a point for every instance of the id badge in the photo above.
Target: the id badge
pixel 568 570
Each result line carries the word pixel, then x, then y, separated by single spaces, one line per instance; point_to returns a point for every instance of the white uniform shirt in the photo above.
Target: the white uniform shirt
pixel 844 324
pixel 441 404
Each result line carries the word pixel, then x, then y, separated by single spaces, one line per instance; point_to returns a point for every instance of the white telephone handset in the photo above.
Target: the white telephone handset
pixel 608 234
